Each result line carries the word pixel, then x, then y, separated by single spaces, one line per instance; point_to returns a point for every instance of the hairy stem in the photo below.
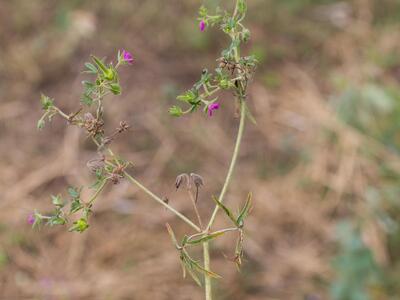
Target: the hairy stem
pixel 159 200
pixel 233 162
pixel 207 279
pixel 206 251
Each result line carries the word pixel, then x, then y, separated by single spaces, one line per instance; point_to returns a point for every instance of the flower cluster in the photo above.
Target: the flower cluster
pixel 106 168
pixel 232 73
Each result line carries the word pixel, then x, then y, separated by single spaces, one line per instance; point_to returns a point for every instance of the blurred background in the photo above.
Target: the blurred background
pixel 322 161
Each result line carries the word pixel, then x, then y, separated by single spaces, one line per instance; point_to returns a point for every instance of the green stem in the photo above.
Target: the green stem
pixel 154 197
pixel 97 193
pixel 61 113
pixel 207 279
pixel 233 162
pixel 206 250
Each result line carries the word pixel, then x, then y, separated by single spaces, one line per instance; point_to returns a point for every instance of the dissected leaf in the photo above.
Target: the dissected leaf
pixel 74 192
pixel 191 272
pixel 91 69
pixel 46 102
pixel 80 226
pixel 100 64
pixel 76 205
pixel 175 111
pixel 57 200
pixel 245 210
pixel 226 210
pixel 115 88
pixel 87 100
pixel 204 238
pixel 195 265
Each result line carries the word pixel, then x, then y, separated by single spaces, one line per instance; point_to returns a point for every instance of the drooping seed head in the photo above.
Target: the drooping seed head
pixel 197 179
pixel 182 178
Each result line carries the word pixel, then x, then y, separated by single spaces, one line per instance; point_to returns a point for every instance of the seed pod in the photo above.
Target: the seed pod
pixel 123 126
pixel 196 179
pixel 182 178
pixel 95 164
pixel 198 182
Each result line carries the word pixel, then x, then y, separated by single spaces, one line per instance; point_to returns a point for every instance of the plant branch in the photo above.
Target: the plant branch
pixel 97 193
pixel 233 162
pixel 159 200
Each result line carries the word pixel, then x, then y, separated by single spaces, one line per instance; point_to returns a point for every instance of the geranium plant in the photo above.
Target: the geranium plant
pixel 233 73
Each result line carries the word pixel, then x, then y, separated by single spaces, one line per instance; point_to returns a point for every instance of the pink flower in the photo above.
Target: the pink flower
pixel 31 219
pixel 202 25
pixel 127 57
pixel 211 108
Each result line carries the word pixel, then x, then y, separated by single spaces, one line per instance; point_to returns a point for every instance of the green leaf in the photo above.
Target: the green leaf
pixel 245 35
pixel 46 102
pixel 110 74
pixel 175 111
pixel 242 7
pixel 204 238
pixel 87 100
pixel 76 205
pixel 40 124
pixel 245 210
pixel 90 87
pixel 38 220
pixel 190 96
pixel 226 210
pixel 225 84
pixel 56 220
pixel 115 88
pixel 193 266
pixel 190 270
pixel 203 12
pixel 239 250
pixel 100 64
pixel 57 200
pixel 200 269
pixel 205 78
pixel 79 226
pixel 91 68
pixel 74 192
pixel 184 240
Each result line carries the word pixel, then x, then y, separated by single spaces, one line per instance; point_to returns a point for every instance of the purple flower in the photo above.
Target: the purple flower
pixel 211 108
pixel 127 57
pixel 202 25
pixel 31 219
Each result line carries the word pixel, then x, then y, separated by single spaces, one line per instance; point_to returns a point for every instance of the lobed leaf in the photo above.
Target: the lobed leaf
pixel 245 210
pixel 226 210
pixel 204 238
pixel 91 69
